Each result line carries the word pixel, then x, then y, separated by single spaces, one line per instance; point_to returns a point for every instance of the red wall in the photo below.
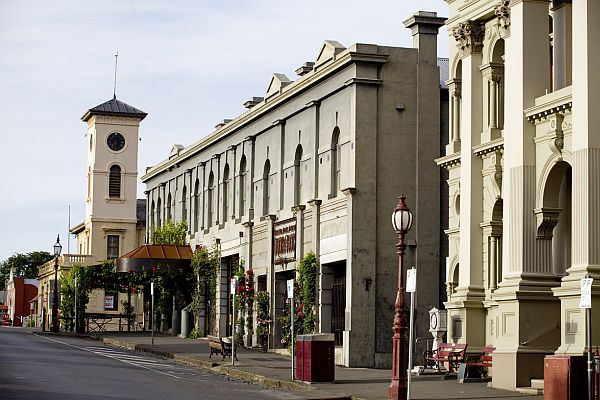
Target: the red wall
pixel 23 295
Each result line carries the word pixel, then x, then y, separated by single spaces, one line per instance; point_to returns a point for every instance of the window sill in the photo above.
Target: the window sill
pixel 117 200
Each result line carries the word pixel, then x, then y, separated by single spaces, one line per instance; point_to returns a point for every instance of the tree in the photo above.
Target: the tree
pixel 24 264
pixel 170 233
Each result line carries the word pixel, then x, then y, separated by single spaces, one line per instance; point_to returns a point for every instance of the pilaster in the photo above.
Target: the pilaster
pixel 316 242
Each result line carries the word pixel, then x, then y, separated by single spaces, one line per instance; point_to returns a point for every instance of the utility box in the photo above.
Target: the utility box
pixel 315 357
pixel 565 377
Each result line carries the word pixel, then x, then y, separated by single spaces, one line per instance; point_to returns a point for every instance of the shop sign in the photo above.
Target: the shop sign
pixel 284 242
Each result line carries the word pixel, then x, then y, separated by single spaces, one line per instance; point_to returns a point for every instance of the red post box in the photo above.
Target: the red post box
pixel 315 357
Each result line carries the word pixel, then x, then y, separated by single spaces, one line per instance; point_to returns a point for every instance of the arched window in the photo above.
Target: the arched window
pixel 184 204
pixel 226 188
pixel 298 175
pixel 336 158
pixel 210 200
pixel 196 202
pixel 169 200
pixel 158 213
pixel 152 211
pixel 266 188
pixel 243 183
pixel 114 181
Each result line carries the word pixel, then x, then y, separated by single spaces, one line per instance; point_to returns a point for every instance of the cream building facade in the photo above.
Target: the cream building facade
pixel 317 165
pixel 114 218
pixel 522 158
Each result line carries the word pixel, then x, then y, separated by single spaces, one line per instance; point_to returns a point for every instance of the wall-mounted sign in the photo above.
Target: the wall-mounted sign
pixel 109 302
pixel 586 293
pixel 284 242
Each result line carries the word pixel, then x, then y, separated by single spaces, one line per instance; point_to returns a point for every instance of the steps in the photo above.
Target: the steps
pixel 536 388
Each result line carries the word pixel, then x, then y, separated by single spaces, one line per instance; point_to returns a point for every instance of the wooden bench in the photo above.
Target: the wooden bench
pixel 451 353
pixel 220 345
pixel 477 364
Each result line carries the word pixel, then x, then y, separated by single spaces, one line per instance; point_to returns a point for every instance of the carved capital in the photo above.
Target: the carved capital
pixel 469 37
pixel 492 71
pixel 502 11
pixel 547 218
pixel 454 86
pixel 557 141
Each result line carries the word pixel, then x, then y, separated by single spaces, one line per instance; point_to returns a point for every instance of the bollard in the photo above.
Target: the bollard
pixel 185 323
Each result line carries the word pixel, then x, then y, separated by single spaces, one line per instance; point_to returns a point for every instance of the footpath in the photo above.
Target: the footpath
pixel 274 371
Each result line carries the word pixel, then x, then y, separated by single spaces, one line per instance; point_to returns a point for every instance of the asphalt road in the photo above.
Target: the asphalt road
pixel 48 367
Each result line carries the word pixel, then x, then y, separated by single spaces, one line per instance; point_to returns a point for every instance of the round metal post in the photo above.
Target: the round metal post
pixel 398 386
pixel 55 298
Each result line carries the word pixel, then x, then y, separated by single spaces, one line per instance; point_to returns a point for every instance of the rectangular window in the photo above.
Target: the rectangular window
pixel 112 250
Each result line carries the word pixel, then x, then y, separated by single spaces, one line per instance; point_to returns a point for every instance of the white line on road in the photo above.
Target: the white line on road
pixel 123 361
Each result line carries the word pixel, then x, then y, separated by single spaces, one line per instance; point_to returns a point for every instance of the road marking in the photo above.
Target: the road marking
pixel 125 357
pixel 114 358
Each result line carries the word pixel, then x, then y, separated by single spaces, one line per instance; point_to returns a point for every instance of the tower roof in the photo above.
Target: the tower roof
pixel 114 107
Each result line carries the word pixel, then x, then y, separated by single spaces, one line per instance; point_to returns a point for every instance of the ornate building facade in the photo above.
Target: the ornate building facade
pixel 522 158
pixel 317 165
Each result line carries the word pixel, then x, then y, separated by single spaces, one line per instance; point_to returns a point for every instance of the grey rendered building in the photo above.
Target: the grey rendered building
pixel 318 164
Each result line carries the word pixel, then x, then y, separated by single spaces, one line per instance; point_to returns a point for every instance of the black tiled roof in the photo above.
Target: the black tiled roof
pixel 140 211
pixel 444 65
pixel 114 107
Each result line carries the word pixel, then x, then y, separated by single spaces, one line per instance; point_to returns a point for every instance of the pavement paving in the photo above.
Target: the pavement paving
pixel 274 370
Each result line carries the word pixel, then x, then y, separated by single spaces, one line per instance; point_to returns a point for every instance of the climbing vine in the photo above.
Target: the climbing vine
pixel 205 266
pixel 263 319
pixel 305 295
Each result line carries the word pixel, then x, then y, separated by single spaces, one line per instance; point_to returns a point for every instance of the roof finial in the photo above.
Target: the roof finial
pixel 115 87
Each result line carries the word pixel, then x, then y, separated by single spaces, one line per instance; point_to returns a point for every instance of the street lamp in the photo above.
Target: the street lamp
pixel 57 250
pixel 401 221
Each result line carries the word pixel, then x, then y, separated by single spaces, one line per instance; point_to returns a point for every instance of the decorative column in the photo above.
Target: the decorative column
pixel 149 217
pixel 163 203
pixel 190 200
pixel 469 40
pixel 454 87
pixel 202 201
pixel 233 182
pixel 299 214
pixel 316 105
pixel 524 297
pixel 217 195
pixel 281 124
pixel 493 262
pixel 316 246
pixel 271 279
pixel 561 43
pixel 251 182
pixel 492 74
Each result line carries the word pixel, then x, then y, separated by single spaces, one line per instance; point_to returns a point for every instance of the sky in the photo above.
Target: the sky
pixel 188 63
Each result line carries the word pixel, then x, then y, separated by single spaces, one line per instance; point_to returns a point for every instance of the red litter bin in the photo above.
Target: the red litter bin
pixel 315 357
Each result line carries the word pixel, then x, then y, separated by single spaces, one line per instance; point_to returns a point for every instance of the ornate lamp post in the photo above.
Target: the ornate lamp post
pixel 57 250
pixel 402 220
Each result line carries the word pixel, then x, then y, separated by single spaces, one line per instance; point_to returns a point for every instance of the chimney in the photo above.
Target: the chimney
pixel 305 68
pixel 252 102
pixel 222 123
pixel 425 26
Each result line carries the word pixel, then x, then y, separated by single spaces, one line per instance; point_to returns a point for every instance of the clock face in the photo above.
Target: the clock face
pixel 115 141
pixel 433 321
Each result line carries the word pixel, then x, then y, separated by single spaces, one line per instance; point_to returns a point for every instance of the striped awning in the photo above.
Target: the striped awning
pixel 155 257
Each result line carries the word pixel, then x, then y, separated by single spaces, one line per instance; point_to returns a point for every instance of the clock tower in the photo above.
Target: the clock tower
pixel 111 221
